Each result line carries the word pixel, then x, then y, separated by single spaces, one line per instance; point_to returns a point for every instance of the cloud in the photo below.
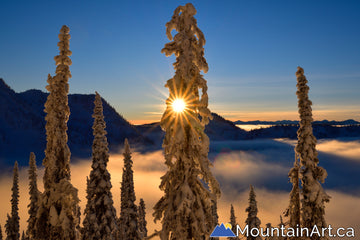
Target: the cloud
pixel 263 163
pixel 344 148
pixel 348 149
pixel 238 169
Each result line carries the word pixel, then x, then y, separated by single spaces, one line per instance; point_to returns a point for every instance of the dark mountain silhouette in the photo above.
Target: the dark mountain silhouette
pixel 22 127
pixel 320 131
pixel 221 129
pixel 217 130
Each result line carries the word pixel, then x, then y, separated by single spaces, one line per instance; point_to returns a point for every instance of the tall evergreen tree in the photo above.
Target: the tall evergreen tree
pixel 281 222
pixel 59 214
pixel 215 216
pixel 128 222
pixel 100 215
pixel 34 198
pixel 268 231
pixel 233 222
pixel 12 226
pixel 142 221
pixel 281 225
pixel 252 220
pixel 185 209
pixel 313 195
pixel 293 211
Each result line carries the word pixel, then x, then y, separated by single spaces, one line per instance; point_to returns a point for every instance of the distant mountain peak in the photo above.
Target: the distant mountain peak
pixel 3 85
pixel 23 123
pixel 294 122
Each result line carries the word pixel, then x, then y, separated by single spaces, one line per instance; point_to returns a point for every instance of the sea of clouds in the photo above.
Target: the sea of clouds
pixel 262 163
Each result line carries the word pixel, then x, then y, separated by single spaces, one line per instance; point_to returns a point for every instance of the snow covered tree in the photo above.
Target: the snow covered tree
pixel 189 186
pixel 58 214
pixel 12 226
pixel 100 215
pixel 34 198
pixel 313 195
pixel 128 222
pixel 142 221
pixel 252 220
pixel 293 211
pixel 233 222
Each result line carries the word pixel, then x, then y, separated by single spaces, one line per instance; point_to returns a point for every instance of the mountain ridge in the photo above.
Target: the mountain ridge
pixel 22 128
pixel 295 122
pixel 22 125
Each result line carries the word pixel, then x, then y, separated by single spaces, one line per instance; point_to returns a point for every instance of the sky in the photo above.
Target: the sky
pixel 253 49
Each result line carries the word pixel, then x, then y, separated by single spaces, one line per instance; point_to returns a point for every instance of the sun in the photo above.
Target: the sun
pixel 178 105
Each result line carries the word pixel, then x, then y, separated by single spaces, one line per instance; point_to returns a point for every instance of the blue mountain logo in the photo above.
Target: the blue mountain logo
pixel 222 231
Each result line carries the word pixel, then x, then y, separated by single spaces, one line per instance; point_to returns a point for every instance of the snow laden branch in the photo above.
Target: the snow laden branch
pixel 186 208
pixel 314 196
pixel 100 220
pixel 58 215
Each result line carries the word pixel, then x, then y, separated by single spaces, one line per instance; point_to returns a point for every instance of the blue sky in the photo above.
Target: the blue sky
pixel 253 49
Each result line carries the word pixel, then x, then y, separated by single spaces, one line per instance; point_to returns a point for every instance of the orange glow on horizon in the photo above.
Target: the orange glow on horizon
pixel 143 121
pixel 318 115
